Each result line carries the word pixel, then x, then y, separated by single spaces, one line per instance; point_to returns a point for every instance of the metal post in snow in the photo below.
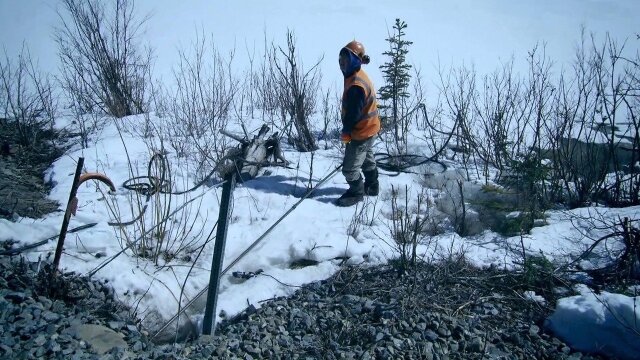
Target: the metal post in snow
pixel 262 237
pixel 71 204
pixel 224 216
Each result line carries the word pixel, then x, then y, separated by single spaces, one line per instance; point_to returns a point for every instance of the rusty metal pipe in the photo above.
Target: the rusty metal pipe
pixel 73 202
pixel 72 206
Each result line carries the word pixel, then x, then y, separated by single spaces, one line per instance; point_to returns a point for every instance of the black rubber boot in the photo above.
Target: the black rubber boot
pixel 353 195
pixel 371 184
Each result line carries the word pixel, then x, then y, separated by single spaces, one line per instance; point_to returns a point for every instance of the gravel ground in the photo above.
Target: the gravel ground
pixel 445 311
pixel 43 320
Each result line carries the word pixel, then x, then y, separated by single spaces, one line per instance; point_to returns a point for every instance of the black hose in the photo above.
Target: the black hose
pixel 402 163
pixel 158 183
pixel 152 184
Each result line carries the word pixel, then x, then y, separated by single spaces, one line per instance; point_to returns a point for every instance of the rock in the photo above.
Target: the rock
pixel 100 338
pixel 40 340
pixel 206 352
pixel 533 331
pixel 8 341
pixel 515 338
pixel 476 345
pixel 454 346
pixel 16 297
pixel 368 305
pixel 39 353
pixel 5 351
pixel 366 314
pixel 428 350
pixel 251 348
pixel 53 346
pixel 138 346
pixel 430 335
pixel 351 299
pixel 443 331
pixel 115 325
pixel 50 316
pixel 64 338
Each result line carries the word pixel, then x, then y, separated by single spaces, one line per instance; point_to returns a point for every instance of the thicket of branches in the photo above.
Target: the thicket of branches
pixel 296 91
pixel 27 98
pixel 200 105
pixel 568 139
pixel 104 67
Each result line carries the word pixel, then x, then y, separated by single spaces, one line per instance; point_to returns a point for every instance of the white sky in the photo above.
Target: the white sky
pixel 479 32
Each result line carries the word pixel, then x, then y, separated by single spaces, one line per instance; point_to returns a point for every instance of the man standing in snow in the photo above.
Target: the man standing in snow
pixel 360 123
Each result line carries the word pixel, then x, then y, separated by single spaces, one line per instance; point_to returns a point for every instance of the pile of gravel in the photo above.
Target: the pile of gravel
pixel 445 311
pixel 68 318
pixel 449 311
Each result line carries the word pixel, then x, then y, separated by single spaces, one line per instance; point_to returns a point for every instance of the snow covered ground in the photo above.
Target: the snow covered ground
pixel 455 32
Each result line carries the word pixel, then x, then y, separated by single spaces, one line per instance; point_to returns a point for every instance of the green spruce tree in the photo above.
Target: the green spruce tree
pixel 396 76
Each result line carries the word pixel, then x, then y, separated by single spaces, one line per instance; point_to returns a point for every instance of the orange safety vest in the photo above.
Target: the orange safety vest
pixel 369 122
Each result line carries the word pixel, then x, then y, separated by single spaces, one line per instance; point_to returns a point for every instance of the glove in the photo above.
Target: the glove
pixel 346 138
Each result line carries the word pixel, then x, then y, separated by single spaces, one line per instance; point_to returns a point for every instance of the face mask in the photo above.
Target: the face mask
pixel 353 62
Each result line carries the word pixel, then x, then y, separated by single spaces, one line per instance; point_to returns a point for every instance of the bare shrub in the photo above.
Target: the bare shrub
pixel 616 254
pixel 594 145
pixel 266 86
pixel 616 82
pixel 537 273
pixel 296 92
pixel 573 140
pixel 364 215
pixel 330 117
pixel 201 105
pixel 250 86
pixel 504 120
pixel 157 222
pixel 355 225
pixel 27 98
pixel 103 66
pixel 458 89
pixel 497 116
pixel 407 225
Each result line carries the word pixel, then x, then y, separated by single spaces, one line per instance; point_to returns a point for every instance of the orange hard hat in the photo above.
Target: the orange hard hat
pixel 357 49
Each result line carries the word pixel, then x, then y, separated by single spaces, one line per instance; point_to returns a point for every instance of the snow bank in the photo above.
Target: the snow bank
pixel 604 323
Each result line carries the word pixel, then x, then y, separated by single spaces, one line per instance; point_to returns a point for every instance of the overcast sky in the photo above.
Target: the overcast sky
pixel 476 32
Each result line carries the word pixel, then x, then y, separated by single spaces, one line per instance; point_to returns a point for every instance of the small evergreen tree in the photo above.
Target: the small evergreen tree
pixel 396 76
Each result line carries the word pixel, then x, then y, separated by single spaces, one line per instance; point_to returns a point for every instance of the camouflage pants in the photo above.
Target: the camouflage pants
pixel 358 156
